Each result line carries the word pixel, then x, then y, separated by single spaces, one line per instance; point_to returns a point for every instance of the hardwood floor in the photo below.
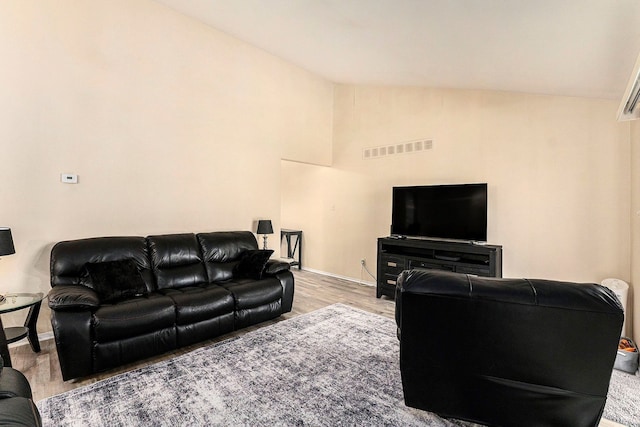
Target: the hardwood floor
pixel 312 291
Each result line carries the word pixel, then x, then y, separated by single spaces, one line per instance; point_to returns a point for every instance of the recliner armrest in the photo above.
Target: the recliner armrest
pixel 275 266
pixel 73 297
pixel 19 411
pixel 13 383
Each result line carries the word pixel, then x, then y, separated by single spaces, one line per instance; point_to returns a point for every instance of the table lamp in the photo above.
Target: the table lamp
pixel 264 228
pixel 6 246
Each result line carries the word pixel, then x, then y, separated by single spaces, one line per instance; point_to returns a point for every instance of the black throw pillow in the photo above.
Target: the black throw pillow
pixel 252 264
pixel 114 280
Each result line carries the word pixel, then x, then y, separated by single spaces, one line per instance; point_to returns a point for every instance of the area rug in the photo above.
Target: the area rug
pixel 334 366
pixel 623 400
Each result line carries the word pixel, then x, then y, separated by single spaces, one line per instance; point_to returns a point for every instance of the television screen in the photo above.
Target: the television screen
pixel 456 212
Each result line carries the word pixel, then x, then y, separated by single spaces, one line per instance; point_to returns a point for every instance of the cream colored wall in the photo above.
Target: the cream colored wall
pixel 170 125
pixel 558 171
pixel 634 295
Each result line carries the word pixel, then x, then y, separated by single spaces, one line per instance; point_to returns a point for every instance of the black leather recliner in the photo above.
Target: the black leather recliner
pixel 16 402
pixel 192 292
pixel 506 352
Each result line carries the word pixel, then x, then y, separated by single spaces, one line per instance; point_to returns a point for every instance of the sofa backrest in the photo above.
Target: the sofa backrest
pixel 69 257
pixel 164 261
pixel 221 251
pixel 176 260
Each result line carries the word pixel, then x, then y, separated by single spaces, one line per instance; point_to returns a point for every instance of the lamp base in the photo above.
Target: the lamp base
pixel 264 236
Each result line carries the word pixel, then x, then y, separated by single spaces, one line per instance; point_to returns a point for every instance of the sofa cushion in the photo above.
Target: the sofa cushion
pixel 114 280
pixel 68 258
pixel 197 303
pixel 250 293
pixel 176 260
pixel 133 317
pixel 221 251
pixel 252 264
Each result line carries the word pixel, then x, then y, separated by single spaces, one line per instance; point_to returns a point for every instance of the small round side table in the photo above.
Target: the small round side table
pixel 19 301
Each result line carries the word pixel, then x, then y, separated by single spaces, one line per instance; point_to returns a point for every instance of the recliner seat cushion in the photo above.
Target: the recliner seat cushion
pixel 198 303
pixel 253 293
pixel 133 317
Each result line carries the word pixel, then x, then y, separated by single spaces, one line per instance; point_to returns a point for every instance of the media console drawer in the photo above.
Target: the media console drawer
pixel 389 268
pixel 393 264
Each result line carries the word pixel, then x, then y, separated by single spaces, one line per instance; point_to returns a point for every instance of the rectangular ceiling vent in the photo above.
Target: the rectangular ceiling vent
pixel 409 147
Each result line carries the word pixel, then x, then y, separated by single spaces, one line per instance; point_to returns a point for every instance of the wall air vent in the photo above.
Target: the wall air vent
pixel 409 147
pixel 630 106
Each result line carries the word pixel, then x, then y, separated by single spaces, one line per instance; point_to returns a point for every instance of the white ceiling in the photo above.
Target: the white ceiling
pixel 562 47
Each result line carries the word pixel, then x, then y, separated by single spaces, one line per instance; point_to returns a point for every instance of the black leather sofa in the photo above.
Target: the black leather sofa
pixel 115 300
pixel 506 352
pixel 16 402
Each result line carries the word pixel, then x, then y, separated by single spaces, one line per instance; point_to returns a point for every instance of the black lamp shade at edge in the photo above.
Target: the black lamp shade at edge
pixel 6 242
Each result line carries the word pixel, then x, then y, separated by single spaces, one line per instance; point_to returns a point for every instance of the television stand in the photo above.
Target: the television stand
pixel 396 255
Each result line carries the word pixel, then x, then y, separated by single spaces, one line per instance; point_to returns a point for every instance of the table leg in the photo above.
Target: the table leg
pixel 30 324
pixel 4 348
pixel 289 251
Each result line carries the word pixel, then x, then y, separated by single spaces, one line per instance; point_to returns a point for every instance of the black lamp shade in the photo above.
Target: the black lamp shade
pixel 265 227
pixel 6 242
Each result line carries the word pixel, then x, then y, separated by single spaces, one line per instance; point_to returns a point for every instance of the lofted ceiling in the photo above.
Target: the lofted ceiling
pixel 584 48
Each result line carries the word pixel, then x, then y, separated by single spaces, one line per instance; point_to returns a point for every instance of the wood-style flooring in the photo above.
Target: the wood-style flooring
pixel 312 291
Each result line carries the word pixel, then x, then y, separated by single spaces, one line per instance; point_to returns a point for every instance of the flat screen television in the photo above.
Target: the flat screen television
pixel 457 212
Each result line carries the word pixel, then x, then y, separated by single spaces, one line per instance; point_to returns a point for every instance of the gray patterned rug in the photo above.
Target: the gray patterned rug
pixel 334 366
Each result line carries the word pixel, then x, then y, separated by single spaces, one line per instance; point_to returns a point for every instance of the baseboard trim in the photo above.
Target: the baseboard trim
pixel 337 276
pixel 41 337
pixel 45 336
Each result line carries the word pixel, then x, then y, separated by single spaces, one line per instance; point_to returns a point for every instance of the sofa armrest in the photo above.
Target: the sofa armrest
pixel 72 331
pixel 73 297
pixel 275 266
pixel 287 282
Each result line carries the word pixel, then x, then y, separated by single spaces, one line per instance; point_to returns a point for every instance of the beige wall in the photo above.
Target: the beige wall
pixel 170 125
pixel 558 171
pixel 634 294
